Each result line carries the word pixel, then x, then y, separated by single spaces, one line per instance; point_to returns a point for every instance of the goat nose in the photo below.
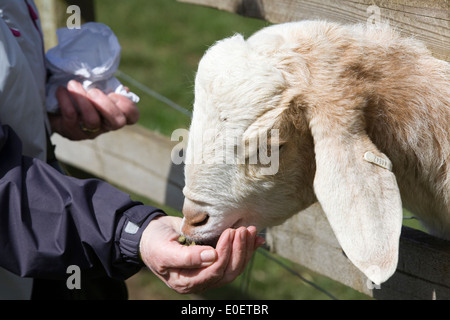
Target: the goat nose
pixel 191 222
pixel 199 219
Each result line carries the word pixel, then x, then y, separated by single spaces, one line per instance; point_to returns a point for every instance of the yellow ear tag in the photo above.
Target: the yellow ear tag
pixel 372 158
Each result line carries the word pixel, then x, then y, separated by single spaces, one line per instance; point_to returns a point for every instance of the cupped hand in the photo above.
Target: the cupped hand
pixel 87 114
pixel 191 269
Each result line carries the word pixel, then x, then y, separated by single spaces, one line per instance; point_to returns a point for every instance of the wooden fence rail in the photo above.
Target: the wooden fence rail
pixel 133 158
pixel 427 20
pixel 140 161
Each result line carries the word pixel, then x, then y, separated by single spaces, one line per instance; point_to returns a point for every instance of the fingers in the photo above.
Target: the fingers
pixel 113 118
pixel 196 268
pixel 161 251
pixel 66 106
pixel 239 252
pixel 235 249
pixel 251 243
pixel 191 280
pixel 88 113
pixel 224 247
pixel 258 241
pixel 126 106
pixel 98 110
pixel 67 122
pixel 188 257
pixel 242 250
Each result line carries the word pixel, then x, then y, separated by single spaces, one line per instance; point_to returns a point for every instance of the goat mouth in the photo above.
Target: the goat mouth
pixel 213 241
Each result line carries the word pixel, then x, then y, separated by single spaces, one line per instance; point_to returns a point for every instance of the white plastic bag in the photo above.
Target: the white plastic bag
pixel 90 55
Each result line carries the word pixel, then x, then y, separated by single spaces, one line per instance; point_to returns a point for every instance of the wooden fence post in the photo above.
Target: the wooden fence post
pixel 53 14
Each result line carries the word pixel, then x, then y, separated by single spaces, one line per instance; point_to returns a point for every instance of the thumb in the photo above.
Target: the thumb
pixel 188 257
pixel 161 251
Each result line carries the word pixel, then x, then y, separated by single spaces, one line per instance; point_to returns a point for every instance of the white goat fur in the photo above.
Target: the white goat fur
pixel 333 92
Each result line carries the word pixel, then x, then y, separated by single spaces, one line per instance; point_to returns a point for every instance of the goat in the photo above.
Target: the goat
pixel 357 117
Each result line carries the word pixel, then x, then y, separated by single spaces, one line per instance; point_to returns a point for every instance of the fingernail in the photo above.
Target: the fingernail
pixel 243 235
pixel 208 256
pixel 260 241
pixel 70 84
pixel 113 98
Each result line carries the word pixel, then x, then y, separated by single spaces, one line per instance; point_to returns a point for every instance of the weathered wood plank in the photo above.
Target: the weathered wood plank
pixel 428 21
pixel 422 273
pixel 134 158
pixel 53 16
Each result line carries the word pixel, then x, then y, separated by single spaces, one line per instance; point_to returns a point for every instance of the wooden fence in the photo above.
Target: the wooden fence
pixel 427 20
pixel 140 161
pixel 54 15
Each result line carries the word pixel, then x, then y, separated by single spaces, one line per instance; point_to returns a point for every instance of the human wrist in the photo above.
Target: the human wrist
pixel 135 221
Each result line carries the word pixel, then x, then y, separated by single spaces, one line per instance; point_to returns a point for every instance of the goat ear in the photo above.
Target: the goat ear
pixel 260 129
pixel 359 196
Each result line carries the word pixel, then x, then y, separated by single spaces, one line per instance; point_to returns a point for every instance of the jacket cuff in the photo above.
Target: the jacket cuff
pixel 130 229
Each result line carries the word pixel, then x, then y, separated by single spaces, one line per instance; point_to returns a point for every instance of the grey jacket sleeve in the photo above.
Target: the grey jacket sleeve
pixel 49 221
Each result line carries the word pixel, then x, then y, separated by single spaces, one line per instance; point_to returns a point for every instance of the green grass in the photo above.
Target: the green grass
pixel 266 280
pixel 162 42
